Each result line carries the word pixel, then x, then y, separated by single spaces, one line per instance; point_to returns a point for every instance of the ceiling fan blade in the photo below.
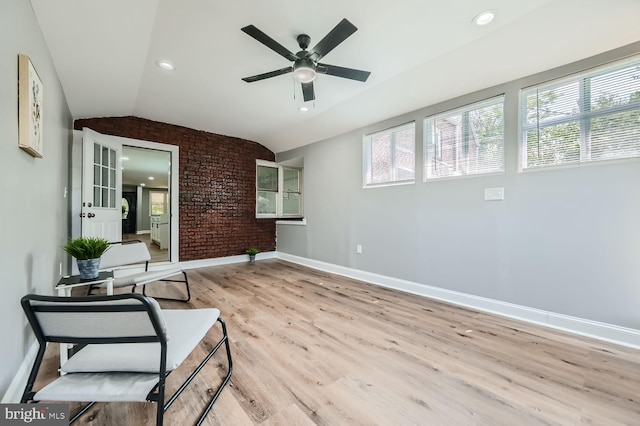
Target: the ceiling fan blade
pixel 349 73
pixel 269 42
pixel 268 74
pixel 336 36
pixel 307 92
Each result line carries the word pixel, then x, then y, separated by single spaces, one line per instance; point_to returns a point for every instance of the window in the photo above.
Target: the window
pixel 588 117
pixel 389 156
pixel 267 190
pixel 291 193
pixel 278 190
pixel 465 141
pixel 158 203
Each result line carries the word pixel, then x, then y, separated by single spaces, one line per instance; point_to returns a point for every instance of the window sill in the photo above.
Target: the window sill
pixel 296 222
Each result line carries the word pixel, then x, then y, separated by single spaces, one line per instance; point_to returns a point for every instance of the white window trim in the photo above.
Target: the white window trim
pixel 427 139
pixel 366 156
pixel 578 77
pixel 165 195
pixel 280 193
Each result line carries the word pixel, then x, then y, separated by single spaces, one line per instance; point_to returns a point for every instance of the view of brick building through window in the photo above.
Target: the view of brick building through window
pixel 391 155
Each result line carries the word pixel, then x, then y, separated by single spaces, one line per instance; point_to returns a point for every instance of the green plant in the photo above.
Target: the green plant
pixel 252 251
pixel 85 248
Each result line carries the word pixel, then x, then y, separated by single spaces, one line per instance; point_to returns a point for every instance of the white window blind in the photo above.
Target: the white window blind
pixel 588 117
pixel 465 141
pixel 389 156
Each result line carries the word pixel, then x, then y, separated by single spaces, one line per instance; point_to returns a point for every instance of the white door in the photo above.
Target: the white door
pixel 101 186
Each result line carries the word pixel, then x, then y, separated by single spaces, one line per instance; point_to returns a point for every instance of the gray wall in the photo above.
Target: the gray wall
pixel 564 240
pixel 34 213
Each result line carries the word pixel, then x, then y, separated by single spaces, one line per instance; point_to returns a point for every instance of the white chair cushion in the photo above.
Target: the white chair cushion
pixel 99 387
pixel 100 324
pixel 186 328
pixel 124 254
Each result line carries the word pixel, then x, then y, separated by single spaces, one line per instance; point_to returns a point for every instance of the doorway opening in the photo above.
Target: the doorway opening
pixel 133 171
pixel 146 211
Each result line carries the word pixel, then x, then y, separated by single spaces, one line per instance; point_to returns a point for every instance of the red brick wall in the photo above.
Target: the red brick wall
pixel 216 186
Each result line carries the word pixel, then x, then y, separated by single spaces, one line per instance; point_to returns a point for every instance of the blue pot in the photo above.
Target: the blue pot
pixel 89 269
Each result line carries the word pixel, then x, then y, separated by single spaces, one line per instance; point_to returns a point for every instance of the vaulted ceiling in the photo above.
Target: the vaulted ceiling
pixel 420 52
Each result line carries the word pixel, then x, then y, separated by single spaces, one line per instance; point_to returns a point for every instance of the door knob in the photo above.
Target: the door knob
pixel 90 215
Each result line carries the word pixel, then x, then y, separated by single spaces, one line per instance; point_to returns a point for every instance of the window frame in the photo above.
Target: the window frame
pixel 165 204
pixel 463 110
pixel 583 118
pixel 280 191
pixel 366 156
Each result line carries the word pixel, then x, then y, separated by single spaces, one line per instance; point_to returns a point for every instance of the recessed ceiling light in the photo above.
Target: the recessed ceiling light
pixel 165 65
pixel 142 184
pixel 303 109
pixel 151 178
pixel 484 18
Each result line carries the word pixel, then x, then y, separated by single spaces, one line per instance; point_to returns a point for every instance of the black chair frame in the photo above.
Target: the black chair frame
pixel 158 393
pixel 144 286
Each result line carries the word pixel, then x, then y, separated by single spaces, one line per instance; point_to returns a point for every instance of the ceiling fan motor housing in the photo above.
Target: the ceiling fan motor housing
pixel 303 41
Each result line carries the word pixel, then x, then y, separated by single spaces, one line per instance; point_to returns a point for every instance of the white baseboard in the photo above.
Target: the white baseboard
pixel 143 232
pixel 242 258
pixel 16 387
pixel 606 332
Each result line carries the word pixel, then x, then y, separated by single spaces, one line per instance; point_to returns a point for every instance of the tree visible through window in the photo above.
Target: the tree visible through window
pixel 589 117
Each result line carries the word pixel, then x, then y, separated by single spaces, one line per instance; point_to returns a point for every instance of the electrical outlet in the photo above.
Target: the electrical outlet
pixel 494 194
pixel 359 249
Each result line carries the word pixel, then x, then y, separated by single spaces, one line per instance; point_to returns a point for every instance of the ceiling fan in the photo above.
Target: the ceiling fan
pixel 306 62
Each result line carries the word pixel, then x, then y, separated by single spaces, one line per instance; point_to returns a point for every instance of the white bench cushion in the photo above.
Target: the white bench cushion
pixel 140 278
pixel 99 387
pixel 186 328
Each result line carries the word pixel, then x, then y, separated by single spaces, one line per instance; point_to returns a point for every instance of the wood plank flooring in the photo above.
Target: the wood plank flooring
pixel 312 348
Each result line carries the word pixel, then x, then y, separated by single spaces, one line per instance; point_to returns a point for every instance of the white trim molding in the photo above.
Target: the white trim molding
pixel 597 330
pixel 19 382
pixel 191 264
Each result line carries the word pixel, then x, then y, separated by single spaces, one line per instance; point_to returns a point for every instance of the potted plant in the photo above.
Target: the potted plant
pixel 252 254
pixel 87 252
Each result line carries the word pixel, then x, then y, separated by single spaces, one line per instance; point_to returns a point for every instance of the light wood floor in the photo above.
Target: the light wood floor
pixel 313 348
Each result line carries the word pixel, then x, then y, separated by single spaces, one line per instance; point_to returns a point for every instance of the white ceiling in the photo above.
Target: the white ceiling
pixel 420 52
pixel 139 165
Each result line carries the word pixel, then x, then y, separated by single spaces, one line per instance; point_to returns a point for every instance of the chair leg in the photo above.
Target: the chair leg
pixel 226 379
pixel 81 412
pixel 185 281
pixel 225 341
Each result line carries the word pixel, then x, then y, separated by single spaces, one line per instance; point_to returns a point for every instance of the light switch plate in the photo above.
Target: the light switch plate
pixel 494 194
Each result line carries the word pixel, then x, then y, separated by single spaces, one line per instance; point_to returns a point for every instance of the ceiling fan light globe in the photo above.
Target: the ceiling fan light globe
pixel 304 71
pixel 304 75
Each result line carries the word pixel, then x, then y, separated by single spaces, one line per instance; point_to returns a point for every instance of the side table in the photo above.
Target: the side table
pixel 64 287
pixel 65 284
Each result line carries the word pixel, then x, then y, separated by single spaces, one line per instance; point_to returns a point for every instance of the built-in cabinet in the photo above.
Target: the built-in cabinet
pixel 160 230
